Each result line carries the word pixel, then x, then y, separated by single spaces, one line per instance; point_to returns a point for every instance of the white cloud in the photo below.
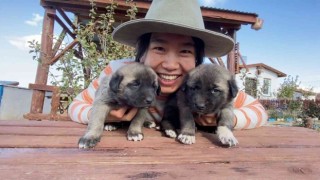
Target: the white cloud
pixel 35 20
pixel 22 42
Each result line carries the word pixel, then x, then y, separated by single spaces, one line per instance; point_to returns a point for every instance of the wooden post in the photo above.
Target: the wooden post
pixel 45 57
pixel 231 54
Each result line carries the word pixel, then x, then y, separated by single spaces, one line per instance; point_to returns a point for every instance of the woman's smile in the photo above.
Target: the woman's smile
pixel 168 80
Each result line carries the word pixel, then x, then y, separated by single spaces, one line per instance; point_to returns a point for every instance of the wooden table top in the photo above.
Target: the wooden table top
pixel 48 149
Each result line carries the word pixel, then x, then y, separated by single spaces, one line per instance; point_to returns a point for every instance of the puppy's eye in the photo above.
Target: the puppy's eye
pixel 215 90
pixel 193 88
pixel 135 83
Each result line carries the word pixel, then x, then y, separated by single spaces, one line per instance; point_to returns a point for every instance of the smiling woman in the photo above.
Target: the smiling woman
pixel 172 45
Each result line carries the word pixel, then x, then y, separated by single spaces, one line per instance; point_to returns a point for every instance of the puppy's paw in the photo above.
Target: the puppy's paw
pixel 187 139
pixel 226 137
pixel 134 136
pixel 170 133
pixel 110 127
pixel 87 142
pixel 149 124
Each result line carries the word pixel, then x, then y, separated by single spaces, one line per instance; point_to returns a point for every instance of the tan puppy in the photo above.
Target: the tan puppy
pixel 208 89
pixel 133 85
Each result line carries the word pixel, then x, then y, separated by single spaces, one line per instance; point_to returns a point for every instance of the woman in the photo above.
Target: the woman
pixel 172 45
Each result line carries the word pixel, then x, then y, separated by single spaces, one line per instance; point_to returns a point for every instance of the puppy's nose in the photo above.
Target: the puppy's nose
pixel 200 106
pixel 148 100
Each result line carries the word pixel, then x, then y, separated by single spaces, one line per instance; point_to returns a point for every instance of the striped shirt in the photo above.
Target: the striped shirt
pixel 249 112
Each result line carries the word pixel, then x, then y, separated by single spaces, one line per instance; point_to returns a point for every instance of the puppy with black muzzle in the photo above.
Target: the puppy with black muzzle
pixel 133 85
pixel 207 89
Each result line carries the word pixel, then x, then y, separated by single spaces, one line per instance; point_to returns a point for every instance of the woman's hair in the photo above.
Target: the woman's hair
pixel 144 41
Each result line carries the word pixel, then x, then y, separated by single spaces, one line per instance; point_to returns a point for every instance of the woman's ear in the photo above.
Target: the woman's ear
pixel 143 58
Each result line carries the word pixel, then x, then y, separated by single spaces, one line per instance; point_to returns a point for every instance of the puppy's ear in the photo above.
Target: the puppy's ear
pixel 233 88
pixel 184 83
pixel 158 90
pixel 115 82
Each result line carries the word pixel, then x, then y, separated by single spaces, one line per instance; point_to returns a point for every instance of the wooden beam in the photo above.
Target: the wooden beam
pixel 65 17
pixel 45 56
pixel 57 57
pixel 212 60
pixel 243 62
pixel 59 41
pixel 40 116
pixel 240 18
pixel 63 25
pixel 231 61
pixel 42 87
pixel 221 62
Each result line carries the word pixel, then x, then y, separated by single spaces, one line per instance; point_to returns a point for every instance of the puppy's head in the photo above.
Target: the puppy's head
pixel 135 85
pixel 209 88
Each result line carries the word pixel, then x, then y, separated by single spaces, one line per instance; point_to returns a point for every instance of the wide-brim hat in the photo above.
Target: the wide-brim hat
pixel 174 16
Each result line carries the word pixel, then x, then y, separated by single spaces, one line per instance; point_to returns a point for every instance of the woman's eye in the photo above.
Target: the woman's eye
pixel 159 49
pixel 186 52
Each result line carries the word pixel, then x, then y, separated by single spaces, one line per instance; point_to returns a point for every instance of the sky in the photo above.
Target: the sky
pixel 289 40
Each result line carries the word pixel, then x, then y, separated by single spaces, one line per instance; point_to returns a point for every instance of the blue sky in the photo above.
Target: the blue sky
pixel 289 40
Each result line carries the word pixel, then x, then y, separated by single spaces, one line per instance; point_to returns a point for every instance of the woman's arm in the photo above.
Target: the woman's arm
pixel 249 113
pixel 79 110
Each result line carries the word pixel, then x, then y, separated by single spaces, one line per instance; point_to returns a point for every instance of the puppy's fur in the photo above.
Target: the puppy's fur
pixel 133 85
pixel 207 89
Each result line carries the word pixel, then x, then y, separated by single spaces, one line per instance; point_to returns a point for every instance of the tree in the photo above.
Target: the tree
pixel 288 87
pixel 80 65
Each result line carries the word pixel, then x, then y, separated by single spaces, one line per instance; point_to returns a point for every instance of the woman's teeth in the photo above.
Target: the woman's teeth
pixel 168 77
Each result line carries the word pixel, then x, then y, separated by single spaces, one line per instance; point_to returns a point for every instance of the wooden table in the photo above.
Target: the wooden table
pixel 48 150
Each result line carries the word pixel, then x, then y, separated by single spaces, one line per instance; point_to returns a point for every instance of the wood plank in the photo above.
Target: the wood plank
pixel 135 164
pixel 48 149
pixel 60 137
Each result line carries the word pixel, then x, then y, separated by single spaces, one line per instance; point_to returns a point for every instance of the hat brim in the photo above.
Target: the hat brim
pixel 216 44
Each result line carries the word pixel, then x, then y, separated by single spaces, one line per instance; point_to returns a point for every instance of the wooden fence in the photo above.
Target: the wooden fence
pixel 284 104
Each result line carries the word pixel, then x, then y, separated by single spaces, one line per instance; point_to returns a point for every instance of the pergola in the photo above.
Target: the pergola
pixel 227 21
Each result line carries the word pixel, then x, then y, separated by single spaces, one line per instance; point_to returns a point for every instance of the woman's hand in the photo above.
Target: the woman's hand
pixel 122 114
pixel 208 120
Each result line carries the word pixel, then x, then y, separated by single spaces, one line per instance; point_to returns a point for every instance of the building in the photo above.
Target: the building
pixel 259 80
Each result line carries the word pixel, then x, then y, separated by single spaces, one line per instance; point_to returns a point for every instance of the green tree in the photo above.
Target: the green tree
pixel 288 87
pixel 80 65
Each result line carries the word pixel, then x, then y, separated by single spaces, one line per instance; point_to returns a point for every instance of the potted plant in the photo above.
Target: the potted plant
pixel 310 111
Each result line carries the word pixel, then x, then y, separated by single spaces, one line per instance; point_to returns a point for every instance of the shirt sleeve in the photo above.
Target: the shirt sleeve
pixel 80 108
pixel 249 112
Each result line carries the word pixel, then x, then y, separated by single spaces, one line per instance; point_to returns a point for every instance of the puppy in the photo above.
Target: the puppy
pixel 207 89
pixel 133 85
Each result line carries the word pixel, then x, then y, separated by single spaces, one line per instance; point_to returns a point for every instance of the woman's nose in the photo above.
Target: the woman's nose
pixel 170 61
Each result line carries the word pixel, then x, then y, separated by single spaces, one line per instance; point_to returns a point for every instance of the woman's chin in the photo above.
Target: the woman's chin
pixel 168 90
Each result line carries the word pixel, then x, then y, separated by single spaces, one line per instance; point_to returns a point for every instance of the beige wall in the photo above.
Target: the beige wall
pixel 16 101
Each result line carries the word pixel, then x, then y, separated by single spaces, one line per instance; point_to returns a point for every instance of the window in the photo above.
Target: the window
pixel 251 86
pixel 266 87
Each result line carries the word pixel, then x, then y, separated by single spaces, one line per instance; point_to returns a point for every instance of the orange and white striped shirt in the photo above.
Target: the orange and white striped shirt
pixel 249 113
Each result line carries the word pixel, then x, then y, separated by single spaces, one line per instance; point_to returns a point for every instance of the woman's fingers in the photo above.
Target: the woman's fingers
pixel 122 114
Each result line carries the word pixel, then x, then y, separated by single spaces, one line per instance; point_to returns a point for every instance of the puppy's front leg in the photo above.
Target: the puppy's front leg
pixel 135 129
pixel 225 126
pixel 187 135
pixel 95 127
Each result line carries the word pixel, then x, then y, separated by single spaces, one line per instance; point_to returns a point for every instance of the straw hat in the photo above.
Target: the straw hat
pixel 174 16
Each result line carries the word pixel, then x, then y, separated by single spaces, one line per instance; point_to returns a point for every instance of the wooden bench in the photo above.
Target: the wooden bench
pixel 48 150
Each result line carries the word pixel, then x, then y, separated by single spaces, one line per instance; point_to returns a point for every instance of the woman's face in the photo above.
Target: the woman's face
pixel 171 56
